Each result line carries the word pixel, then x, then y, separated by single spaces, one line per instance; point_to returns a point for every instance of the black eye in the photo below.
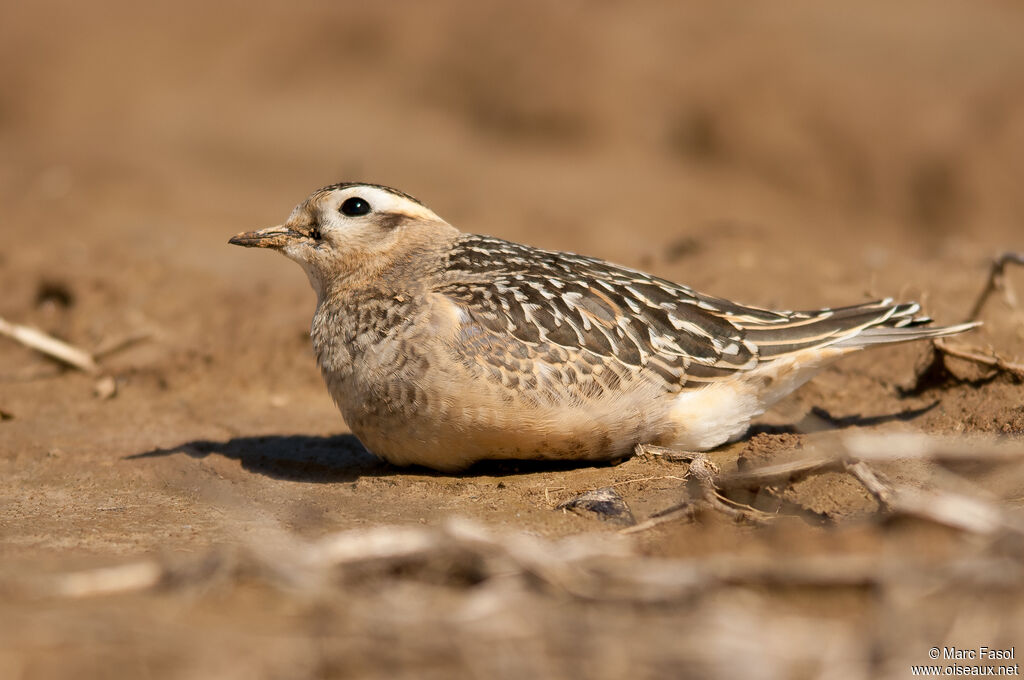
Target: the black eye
pixel 355 206
pixel 314 232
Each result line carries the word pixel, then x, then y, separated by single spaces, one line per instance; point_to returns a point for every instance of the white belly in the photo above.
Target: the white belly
pixel 721 412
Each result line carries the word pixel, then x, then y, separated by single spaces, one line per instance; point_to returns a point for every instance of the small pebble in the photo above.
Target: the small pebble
pixel 105 387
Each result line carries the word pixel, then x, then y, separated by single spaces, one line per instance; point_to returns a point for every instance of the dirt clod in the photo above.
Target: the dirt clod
pixel 605 504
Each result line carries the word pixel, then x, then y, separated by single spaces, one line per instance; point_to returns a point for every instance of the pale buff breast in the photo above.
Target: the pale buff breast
pixel 440 410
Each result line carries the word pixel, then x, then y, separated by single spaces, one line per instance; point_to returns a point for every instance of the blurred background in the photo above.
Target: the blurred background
pixel 584 125
pixel 795 154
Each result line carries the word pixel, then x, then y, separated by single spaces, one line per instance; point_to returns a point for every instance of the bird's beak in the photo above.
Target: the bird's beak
pixel 273 237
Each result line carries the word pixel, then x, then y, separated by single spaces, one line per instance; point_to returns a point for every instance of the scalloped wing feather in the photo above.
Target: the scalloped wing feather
pixel 640 323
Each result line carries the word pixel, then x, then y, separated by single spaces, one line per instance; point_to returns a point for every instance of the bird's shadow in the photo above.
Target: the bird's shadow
pixel 333 459
pixel 342 458
pixel 337 458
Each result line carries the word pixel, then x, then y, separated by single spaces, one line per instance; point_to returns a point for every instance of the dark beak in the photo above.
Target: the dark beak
pixel 274 237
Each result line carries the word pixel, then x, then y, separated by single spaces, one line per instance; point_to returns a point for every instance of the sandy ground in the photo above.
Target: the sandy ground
pixel 796 156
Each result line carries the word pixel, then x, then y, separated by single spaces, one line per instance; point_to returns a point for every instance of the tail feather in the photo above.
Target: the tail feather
pixel 884 335
pixel 852 327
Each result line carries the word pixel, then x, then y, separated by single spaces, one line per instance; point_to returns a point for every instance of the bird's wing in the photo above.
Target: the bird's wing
pixel 550 302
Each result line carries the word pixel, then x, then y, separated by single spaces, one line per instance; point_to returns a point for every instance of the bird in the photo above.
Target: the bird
pixel 443 348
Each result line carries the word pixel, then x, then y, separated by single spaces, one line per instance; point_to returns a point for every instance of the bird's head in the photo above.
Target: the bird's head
pixel 350 229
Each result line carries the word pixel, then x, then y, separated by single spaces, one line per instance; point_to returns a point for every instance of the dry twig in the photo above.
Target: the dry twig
pixel 988 359
pixel 870 446
pixel 123 578
pixel 705 473
pixel 49 345
pixel 114 345
pixel 941 507
pixel 584 567
pixel 685 510
pixel 997 281
pixel 882 492
pixel 777 474
pixel 947 508
pixel 547 493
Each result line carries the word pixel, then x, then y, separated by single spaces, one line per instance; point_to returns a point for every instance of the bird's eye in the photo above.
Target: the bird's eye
pixel 355 206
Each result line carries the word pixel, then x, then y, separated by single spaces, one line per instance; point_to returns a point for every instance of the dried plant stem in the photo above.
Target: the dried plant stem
pixel 947 508
pixel 685 510
pixel 997 281
pixel 941 507
pixel 705 473
pixel 114 345
pixel 594 569
pixel 49 345
pixel 988 359
pixel 882 492
pixel 123 578
pixel 779 473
